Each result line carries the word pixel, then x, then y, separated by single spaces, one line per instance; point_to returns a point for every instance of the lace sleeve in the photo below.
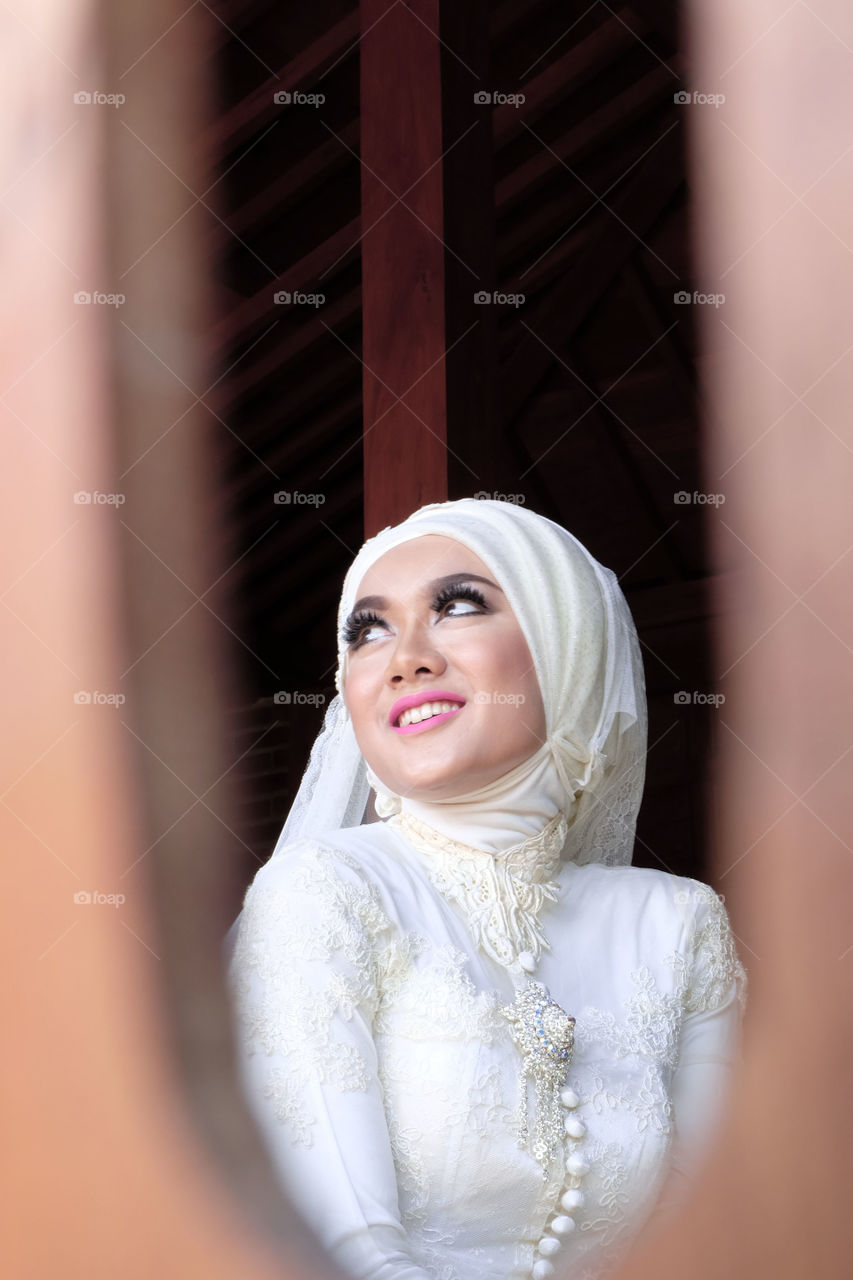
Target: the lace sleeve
pixel 716 971
pixel 306 975
pixel 709 1041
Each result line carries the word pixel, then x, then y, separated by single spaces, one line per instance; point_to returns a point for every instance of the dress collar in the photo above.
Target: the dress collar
pixel 500 894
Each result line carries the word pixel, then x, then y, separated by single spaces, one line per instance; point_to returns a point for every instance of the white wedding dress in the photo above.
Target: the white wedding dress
pixel 370 973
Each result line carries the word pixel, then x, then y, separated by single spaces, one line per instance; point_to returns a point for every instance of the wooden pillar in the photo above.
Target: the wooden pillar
pixel 405 402
pixel 427 248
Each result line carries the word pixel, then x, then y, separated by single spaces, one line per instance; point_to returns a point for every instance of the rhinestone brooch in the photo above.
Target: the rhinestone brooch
pixel 544 1034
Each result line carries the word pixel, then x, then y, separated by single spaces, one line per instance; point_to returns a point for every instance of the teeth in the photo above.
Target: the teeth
pixel 414 715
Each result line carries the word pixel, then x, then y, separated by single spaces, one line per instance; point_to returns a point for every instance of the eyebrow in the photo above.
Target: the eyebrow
pixel 380 602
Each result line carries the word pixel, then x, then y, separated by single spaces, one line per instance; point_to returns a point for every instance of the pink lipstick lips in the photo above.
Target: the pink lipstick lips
pixel 419 699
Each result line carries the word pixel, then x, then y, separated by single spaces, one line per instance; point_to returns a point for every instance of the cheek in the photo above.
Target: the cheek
pixel 360 698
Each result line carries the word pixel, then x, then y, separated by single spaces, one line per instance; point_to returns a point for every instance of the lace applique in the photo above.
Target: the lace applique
pixel 315 915
pixel 716 964
pixel 501 894
pixel 701 982
pixel 650 1029
pixel 649 1103
pixel 436 1000
pixel 613 1200
pixel 486 1108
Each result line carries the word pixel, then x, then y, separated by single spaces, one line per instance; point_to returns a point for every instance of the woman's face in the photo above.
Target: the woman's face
pixel 431 625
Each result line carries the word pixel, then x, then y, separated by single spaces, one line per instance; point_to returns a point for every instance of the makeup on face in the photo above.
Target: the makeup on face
pixel 422 649
pixel 444 591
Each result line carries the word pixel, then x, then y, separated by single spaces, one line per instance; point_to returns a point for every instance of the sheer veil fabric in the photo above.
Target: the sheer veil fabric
pixel 586 654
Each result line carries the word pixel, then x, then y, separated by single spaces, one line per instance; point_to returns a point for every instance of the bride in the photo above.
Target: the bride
pixel 478 1043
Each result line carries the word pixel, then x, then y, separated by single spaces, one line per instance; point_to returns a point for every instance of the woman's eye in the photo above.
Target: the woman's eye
pixel 358 626
pixel 472 600
pixel 465 594
pixel 469 608
pixel 365 631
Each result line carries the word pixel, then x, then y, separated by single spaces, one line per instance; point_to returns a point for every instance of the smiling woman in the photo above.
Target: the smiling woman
pixel 474 1037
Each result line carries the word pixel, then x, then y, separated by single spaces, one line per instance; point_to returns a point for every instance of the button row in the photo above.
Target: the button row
pixel 571 1200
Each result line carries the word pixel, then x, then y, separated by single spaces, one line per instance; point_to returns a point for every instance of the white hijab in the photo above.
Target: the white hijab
pixel 587 658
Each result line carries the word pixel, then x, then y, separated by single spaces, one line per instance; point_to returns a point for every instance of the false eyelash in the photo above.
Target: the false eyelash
pixel 461 591
pixel 357 623
pixel 447 594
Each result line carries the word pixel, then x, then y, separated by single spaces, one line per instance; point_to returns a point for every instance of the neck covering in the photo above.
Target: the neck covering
pixel 587 659
pixel 498 816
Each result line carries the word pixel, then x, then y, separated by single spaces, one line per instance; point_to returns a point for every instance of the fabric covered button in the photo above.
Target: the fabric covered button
pixel 571 1200
pixel 574 1128
pixel 542 1269
pixel 563 1225
pixel 577 1166
pixel 569 1098
pixel 548 1246
pixel 527 960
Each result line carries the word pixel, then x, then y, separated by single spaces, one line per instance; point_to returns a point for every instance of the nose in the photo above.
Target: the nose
pixel 414 654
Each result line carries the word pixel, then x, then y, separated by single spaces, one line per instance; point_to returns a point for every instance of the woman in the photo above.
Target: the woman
pixel 474 1038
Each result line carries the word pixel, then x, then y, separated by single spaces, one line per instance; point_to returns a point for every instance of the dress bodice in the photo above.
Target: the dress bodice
pixel 380 975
